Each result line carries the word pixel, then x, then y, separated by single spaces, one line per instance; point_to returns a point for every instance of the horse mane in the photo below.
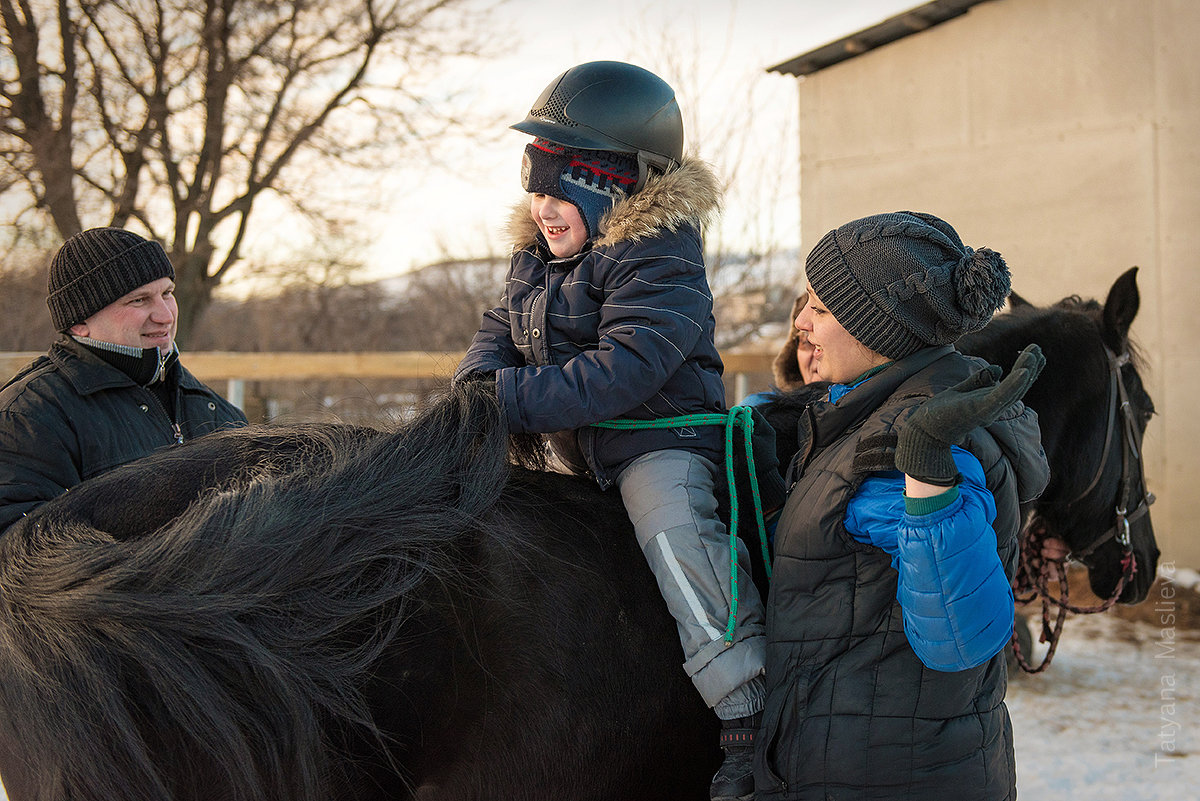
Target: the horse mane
pixel 112 647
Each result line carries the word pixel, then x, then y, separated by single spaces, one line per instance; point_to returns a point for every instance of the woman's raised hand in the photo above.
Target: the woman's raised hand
pixel 924 438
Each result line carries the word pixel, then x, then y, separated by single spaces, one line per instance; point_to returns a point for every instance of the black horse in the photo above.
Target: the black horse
pixel 329 612
pixel 1093 410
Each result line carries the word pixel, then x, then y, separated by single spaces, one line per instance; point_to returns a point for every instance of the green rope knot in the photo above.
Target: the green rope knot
pixel 737 417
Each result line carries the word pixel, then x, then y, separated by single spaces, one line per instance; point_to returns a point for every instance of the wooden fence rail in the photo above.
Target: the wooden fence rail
pixel 287 366
pixel 237 368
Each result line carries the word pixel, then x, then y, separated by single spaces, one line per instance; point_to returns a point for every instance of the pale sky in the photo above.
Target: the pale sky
pixel 720 47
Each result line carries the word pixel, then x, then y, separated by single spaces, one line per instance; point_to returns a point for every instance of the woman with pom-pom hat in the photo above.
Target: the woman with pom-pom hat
pixel 890 600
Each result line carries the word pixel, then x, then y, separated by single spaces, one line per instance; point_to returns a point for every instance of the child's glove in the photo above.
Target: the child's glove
pixel 923 443
pixel 771 487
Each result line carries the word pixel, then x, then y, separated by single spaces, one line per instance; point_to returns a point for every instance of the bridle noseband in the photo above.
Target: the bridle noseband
pixel 1034 573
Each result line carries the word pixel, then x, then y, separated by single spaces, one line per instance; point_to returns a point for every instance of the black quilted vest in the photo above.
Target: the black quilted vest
pixel 851 712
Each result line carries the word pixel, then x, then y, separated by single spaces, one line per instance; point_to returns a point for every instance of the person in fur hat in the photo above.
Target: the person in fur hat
pixel 792 368
pixel 607 313
pixel 890 598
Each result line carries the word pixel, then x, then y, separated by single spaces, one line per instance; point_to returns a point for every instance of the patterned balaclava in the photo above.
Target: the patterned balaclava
pixel 591 180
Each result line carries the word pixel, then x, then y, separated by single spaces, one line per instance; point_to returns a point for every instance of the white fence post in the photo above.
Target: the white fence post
pixel 236 392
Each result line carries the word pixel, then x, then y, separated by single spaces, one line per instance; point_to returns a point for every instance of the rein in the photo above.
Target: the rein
pixel 737 417
pixel 1035 573
pixel 1034 576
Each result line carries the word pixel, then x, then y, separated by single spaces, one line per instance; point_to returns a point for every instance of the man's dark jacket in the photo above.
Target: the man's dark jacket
pixel 70 415
pixel 852 714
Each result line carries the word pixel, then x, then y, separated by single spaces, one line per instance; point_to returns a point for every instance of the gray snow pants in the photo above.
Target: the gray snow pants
pixel 669 497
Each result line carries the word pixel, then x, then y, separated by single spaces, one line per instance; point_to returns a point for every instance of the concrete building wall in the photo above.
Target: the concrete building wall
pixel 1064 134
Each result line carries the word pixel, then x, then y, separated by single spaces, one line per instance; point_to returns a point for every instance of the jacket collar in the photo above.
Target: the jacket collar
pixel 144 365
pixel 87 373
pixel 688 195
pixel 832 419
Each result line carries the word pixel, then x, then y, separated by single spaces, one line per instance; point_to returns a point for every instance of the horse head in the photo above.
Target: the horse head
pixel 1093 410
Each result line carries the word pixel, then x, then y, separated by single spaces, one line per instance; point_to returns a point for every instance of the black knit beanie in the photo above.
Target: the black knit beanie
pixel 96 267
pixel 904 281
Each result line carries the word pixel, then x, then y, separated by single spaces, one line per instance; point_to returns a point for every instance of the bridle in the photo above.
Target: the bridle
pixel 1034 572
pixel 1131 489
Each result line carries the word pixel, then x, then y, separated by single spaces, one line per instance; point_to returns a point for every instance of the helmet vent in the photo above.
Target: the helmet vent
pixel 555 109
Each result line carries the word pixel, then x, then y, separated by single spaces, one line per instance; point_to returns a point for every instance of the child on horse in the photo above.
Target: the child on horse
pixel 607 313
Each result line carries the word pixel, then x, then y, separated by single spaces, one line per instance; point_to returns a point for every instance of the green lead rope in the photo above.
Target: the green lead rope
pixel 737 417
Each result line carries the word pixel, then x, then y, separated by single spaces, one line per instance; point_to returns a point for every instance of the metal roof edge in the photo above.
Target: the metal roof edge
pixel 890 30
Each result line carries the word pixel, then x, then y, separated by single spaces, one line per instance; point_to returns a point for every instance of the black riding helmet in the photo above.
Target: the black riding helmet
pixel 611 105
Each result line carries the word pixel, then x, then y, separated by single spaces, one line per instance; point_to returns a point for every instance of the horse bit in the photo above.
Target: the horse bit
pixel 1034 572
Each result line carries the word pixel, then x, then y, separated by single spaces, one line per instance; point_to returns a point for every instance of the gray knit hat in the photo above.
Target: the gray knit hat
pixel 904 281
pixel 96 267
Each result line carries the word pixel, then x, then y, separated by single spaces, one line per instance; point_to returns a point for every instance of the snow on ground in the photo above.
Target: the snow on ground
pixel 1116 716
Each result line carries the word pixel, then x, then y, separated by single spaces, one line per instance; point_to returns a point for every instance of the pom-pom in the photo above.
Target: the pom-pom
pixel 981 283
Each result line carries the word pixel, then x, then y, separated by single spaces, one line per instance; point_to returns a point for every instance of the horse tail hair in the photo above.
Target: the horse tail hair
pixel 223 654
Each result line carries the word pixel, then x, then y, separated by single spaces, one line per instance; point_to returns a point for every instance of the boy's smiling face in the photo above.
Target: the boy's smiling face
pixel 560 223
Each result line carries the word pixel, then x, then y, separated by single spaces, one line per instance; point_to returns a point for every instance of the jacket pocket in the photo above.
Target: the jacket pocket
pixel 781 716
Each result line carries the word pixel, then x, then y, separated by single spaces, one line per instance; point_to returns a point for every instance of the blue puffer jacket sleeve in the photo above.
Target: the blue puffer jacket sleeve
pixel 956 600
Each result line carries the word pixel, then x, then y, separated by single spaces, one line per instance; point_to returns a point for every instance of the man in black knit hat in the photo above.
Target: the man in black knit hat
pixel 112 388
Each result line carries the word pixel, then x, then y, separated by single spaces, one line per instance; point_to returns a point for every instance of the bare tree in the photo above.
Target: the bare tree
pixel 315 304
pixel 443 303
pixel 182 116
pixel 24 319
pixel 753 276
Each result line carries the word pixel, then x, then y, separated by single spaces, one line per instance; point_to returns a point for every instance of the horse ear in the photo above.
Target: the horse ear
pixel 1015 301
pixel 1120 308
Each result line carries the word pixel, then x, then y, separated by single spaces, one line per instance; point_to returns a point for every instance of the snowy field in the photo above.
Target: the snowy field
pixel 1116 717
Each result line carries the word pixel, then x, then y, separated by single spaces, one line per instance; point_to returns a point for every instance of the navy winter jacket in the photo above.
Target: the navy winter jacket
pixel 622 329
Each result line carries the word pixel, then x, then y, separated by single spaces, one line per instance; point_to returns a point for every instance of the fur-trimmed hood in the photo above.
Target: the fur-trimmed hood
pixel 691 193
pixel 786 366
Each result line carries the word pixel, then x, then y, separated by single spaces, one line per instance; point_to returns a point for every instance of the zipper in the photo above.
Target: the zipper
pixel 805 428
pixel 175 428
pixel 539 322
pixel 162 366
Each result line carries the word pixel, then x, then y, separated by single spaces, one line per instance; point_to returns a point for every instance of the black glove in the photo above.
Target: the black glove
pixel 771 488
pixel 923 442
